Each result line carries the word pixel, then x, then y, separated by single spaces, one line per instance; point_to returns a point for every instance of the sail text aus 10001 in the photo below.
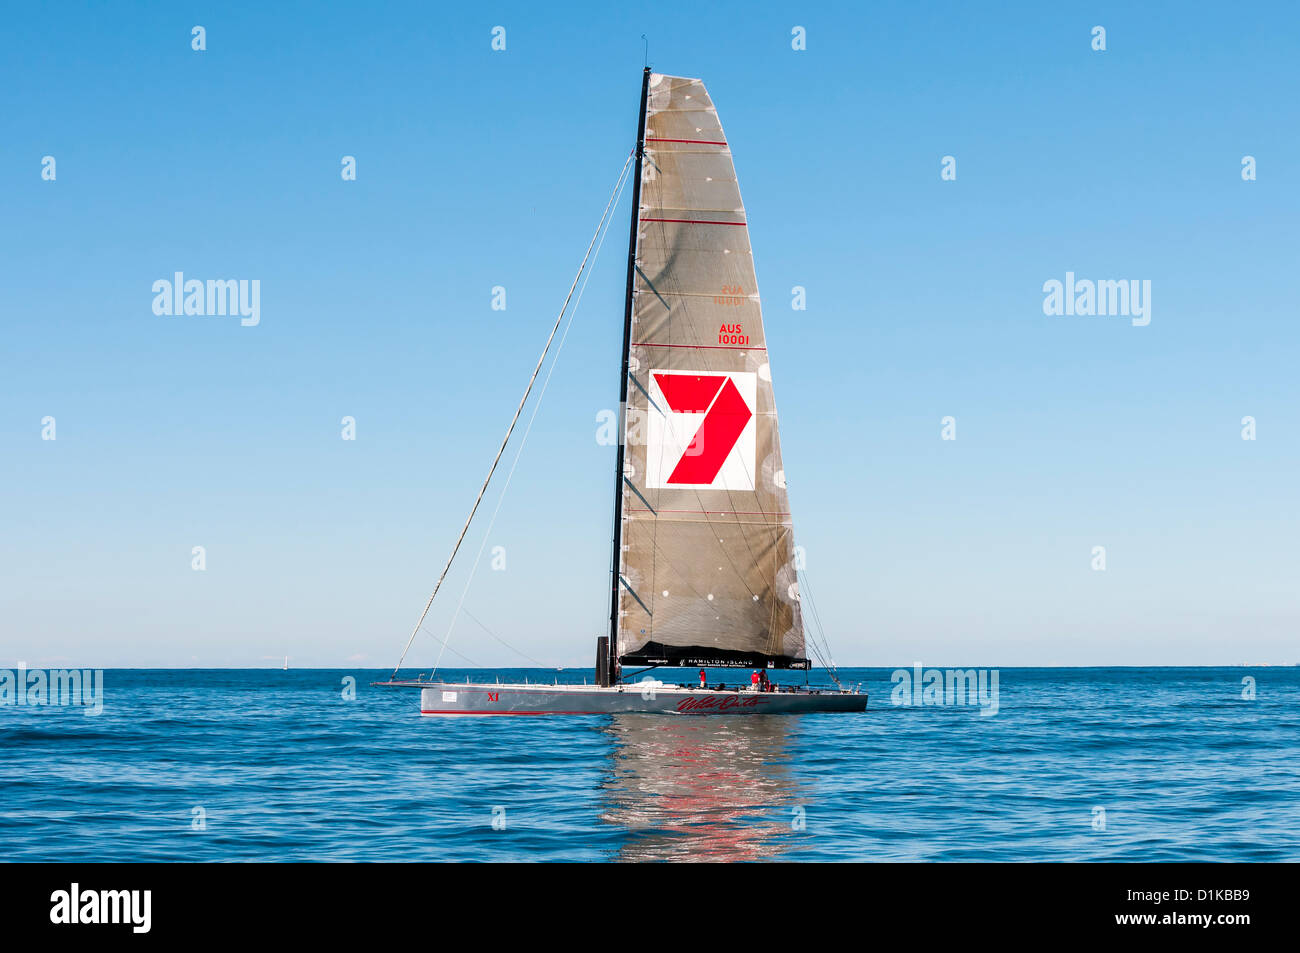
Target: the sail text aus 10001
pixel 733 296
pixel 732 334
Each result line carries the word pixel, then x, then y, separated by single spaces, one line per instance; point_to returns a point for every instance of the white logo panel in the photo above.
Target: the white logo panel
pixel 701 430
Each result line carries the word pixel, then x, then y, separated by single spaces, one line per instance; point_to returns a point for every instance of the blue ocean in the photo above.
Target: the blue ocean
pixel 1103 764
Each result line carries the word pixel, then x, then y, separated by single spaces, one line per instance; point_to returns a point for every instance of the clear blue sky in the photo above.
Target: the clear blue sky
pixel 478 168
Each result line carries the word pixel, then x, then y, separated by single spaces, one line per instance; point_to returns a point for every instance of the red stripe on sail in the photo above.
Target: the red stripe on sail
pixel 723 347
pixel 690 221
pixel 710 512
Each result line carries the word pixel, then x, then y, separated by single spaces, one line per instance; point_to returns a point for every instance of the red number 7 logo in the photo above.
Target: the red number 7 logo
pixel 725 416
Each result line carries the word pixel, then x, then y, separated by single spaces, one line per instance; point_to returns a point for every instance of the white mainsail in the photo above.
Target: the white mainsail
pixel 707 570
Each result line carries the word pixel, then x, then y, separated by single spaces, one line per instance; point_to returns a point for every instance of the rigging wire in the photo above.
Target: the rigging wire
pixel 537 406
pixel 819 632
pixel 514 420
pixel 465 658
pixel 480 624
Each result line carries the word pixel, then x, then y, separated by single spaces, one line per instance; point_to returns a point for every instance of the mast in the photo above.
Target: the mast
pixel 611 665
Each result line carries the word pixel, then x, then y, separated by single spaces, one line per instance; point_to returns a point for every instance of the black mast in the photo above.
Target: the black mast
pixel 610 674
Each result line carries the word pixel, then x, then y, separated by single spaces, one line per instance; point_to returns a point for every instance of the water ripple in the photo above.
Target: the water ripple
pixel 1078 764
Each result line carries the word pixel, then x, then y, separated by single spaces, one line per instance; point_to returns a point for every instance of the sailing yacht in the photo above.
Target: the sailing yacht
pixel 703 572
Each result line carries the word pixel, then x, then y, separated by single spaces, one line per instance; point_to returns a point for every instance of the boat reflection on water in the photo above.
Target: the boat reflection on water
pixel 712 789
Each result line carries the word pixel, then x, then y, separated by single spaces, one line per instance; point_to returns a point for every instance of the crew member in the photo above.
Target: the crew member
pixel 701 678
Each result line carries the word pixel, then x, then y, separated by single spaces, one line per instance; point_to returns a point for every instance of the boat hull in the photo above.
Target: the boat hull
pixel 446 698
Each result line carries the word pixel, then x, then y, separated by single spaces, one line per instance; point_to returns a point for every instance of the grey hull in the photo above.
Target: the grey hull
pixel 447 698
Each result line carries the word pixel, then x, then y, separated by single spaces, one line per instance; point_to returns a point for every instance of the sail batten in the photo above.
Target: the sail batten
pixel 707 556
